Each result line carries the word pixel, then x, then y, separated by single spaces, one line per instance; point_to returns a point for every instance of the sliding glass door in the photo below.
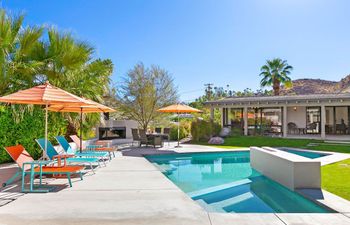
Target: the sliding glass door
pixel 313 120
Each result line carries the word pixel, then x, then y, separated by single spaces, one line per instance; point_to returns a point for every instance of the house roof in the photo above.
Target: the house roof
pixel 284 99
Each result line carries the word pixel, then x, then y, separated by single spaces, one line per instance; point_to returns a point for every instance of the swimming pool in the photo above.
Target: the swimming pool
pixel 225 182
pixel 307 154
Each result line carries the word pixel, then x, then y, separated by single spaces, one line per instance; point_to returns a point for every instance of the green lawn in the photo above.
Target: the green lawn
pixel 335 178
pixel 244 141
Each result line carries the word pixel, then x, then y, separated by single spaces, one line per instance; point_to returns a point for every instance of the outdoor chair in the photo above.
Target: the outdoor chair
pixel 166 134
pixel 135 135
pixel 292 128
pixel 312 127
pixel 68 158
pixel 94 148
pixel 158 130
pixel 27 165
pixel 69 150
pixel 143 138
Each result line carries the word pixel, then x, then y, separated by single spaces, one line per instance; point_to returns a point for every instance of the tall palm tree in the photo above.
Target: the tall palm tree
pixel 17 45
pixel 275 73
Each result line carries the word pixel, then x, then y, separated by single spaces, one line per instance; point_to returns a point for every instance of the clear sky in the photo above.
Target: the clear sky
pixel 206 41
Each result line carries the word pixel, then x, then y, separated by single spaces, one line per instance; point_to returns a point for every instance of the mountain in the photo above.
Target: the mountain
pixel 317 86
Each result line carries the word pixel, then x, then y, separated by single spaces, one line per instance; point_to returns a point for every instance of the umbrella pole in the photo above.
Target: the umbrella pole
pixel 81 130
pixel 46 121
pixel 178 131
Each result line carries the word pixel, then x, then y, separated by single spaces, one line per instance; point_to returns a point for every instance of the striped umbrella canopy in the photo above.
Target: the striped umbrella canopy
pixel 45 94
pixel 178 109
pixel 92 107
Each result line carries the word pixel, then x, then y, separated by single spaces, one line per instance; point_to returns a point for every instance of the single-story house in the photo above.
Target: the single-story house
pixel 323 116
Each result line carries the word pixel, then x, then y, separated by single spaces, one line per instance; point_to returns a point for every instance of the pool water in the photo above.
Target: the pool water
pixel 225 182
pixel 307 154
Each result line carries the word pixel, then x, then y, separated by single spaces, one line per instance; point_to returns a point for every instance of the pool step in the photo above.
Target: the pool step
pixel 205 191
pixel 231 201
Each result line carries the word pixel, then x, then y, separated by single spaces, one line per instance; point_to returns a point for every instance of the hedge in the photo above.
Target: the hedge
pixel 25 131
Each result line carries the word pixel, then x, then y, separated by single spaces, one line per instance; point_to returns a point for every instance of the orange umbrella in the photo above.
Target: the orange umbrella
pixel 44 94
pixel 92 107
pixel 178 108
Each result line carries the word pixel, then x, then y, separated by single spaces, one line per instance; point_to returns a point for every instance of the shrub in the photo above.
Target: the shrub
pixel 202 130
pixel 25 132
pixel 185 130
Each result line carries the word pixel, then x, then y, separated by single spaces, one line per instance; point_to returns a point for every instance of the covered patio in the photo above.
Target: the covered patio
pixel 324 116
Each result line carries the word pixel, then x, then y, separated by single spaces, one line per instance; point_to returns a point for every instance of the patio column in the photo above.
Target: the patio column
pixel 211 113
pixel 323 121
pixel 284 121
pixel 245 119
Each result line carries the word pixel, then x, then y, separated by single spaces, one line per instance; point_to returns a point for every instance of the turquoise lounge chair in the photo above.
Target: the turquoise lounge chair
pixel 68 149
pixel 52 153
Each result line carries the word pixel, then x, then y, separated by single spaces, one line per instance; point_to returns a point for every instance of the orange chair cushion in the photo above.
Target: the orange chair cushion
pixel 63 169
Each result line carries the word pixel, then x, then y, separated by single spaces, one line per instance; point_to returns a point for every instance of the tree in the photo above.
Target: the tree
pixel 143 91
pixel 276 72
pixel 28 58
pixel 17 46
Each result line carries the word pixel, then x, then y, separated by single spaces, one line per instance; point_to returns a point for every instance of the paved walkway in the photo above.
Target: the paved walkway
pixel 130 190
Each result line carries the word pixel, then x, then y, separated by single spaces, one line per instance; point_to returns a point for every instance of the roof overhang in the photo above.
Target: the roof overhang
pixel 279 101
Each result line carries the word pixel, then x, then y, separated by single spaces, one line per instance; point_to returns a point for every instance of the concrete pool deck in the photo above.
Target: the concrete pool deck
pixel 130 190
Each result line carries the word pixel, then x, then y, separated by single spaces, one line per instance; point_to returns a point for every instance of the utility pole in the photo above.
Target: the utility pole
pixel 208 90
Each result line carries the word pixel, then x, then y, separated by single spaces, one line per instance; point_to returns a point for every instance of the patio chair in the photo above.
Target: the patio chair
pixel 166 134
pixel 68 158
pixel 94 148
pixel 27 165
pixel 312 127
pixel 292 128
pixel 144 139
pixel 158 130
pixel 135 136
pixel 69 150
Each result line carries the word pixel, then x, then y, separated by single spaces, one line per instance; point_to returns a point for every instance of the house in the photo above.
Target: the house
pixel 321 116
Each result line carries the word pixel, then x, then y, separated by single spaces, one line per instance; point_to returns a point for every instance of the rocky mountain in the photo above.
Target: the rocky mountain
pixel 317 86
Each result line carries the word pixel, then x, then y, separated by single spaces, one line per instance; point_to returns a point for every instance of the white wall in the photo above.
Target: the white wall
pixel 288 169
pixel 298 117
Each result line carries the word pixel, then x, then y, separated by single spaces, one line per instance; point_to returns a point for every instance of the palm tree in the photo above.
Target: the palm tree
pixel 276 72
pixel 17 45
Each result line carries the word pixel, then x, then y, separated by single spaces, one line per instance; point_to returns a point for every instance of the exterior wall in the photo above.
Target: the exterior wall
pixel 298 117
pixel 288 169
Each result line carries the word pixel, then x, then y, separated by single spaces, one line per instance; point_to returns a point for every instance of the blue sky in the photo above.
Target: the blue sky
pixel 206 41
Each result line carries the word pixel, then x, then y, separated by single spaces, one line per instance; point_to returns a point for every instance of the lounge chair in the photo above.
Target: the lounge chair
pixel 94 148
pixel 27 165
pixel 69 150
pixel 68 158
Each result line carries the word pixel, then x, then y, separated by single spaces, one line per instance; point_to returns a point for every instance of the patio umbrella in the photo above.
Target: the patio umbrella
pixel 47 95
pixel 91 107
pixel 178 109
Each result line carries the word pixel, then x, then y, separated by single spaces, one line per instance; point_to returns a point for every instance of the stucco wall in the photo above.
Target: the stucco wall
pixel 288 169
pixel 298 117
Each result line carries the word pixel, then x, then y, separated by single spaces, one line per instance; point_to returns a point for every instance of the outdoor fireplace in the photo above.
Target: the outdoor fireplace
pixel 109 133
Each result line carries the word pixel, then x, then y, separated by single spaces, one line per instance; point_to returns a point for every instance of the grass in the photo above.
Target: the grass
pixel 247 141
pixel 334 178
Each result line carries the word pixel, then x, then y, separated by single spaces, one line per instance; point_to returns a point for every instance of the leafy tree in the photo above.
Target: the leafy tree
pixel 276 72
pixel 143 91
pixel 32 55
